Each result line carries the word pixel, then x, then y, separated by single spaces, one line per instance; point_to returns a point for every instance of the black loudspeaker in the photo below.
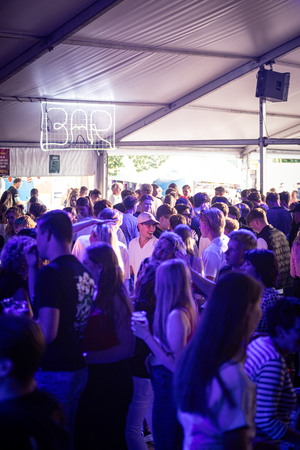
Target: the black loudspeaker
pixel 273 86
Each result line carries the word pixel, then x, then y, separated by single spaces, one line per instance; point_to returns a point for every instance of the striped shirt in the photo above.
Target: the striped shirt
pixel 275 397
pixel 270 297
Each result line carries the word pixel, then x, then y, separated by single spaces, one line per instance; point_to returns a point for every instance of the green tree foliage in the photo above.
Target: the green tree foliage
pixel 115 163
pixel 147 162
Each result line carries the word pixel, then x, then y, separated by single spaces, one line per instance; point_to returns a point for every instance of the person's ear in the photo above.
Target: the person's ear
pixel 48 234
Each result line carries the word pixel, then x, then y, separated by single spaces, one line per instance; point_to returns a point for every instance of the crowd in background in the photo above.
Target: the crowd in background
pixel 147 304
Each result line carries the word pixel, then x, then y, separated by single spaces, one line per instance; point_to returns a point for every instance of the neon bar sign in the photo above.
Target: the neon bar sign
pixel 81 126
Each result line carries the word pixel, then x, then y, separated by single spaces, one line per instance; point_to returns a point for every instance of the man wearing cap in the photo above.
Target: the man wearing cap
pixel 142 246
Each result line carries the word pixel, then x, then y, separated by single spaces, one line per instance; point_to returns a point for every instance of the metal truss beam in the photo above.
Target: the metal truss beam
pixel 210 87
pixel 17 98
pixel 209 142
pixel 55 38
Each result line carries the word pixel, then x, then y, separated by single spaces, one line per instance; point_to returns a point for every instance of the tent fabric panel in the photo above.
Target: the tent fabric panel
pixel 38 17
pixel 186 124
pixel 20 122
pixel 35 163
pixel 89 73
pixel 111 75
pixel 206 25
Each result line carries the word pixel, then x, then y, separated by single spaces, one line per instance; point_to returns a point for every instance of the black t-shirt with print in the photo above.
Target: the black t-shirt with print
pixel 65 285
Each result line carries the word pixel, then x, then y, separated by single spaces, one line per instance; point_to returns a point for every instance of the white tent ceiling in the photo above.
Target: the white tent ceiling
pixel 177 70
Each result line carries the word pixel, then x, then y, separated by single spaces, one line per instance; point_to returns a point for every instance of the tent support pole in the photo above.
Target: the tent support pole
pixel 262 149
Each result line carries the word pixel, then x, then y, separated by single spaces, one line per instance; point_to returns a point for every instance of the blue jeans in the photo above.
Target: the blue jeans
pixel 141 400
pixel 167 432
pixel 67 388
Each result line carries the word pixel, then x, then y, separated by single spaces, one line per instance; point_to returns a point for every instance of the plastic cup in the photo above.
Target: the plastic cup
pixel 139 316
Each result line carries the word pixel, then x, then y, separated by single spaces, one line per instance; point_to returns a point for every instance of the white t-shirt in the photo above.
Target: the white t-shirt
pixel 137 254
pixel 79 247
pixel 114 199
pixel 213 256
pixel 203 244
pixel 155 205
pixel 205 433
pixel 85 231
pixel 261 244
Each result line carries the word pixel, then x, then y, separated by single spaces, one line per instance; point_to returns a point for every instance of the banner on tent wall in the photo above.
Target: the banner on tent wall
pixel 54 163
pixel 4 162
pixel 33 162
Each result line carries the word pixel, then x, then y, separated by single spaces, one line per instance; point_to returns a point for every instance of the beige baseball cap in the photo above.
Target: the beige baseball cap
pixel 147 219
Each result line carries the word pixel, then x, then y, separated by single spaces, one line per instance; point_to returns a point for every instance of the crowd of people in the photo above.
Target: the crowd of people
pixel 145 316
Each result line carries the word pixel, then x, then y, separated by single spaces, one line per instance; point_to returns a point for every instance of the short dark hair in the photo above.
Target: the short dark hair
pixel 146 188
pixel 182 201
pixel 146 197
pixel 176 219
pixel 59 223
pixel 220 190
pixel 245 237
pixel 243 208
pixel 130 201
pixel 283 313
pixel 164 211
pixel 126 192
pixel 245 193
pixel 34 192
pixel 17 180
pixel 83 189
pixel 36 209
pixel 33 199
pixel 218 199
pixel 200 198
pixel 69 209
pixel 254 197
pixel 155 186
pixel 222 207
pixel 100 205
pixel 187 186
pixel 85 201
pixel 182 208
pixel 230 225
pixel 285 197
pixel 119 207
pixel 248 203
pixel 22 342
pixel 272 197
pixel 265 264
pixel 234 211
pixel 96 192
pixel 256 213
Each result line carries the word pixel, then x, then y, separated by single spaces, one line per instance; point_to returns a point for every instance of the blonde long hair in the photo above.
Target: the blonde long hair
pixel 172 291
pixel 106 233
